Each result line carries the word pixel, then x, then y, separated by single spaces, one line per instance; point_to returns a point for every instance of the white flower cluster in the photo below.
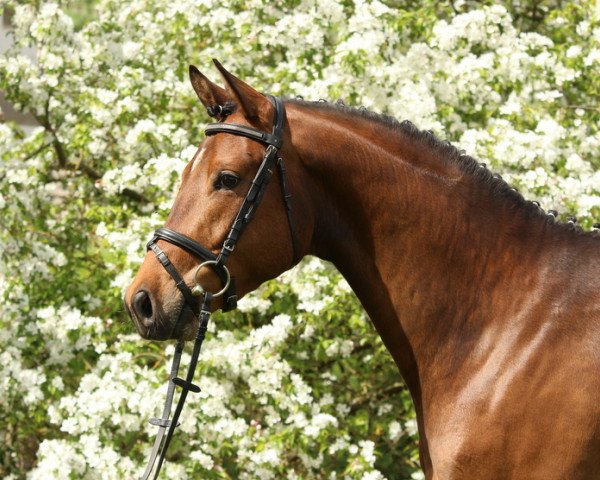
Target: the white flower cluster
pixel 286 379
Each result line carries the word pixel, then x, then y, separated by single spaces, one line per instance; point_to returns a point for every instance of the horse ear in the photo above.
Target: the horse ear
pixel 247 98
pixel 209 93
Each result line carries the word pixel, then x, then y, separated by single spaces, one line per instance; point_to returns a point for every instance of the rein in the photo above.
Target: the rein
pixel 217 262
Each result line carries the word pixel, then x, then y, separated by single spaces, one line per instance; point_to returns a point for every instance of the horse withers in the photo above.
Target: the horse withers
pixel 489 307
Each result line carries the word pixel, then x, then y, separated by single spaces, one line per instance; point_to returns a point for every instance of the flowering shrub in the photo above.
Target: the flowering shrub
pixel 296 384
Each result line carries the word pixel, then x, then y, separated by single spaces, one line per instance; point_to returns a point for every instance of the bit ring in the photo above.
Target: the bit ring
pixel 198 290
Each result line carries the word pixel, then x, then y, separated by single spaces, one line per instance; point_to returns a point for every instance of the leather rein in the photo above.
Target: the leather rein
pixel 197 299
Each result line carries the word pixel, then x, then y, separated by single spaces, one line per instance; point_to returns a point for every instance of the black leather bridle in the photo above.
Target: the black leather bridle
pixel 217 262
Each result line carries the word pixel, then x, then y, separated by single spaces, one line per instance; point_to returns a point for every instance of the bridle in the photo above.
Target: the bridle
pixel 217 262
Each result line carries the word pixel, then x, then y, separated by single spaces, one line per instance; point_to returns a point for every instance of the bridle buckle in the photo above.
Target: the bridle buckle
pixel 229 245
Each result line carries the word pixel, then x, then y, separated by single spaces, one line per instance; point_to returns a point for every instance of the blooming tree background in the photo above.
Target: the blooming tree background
pixel 296 384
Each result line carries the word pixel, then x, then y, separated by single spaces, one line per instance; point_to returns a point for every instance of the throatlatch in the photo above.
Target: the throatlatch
pixel 273 141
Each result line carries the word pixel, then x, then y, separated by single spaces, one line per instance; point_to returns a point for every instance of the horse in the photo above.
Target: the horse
pixel 489 306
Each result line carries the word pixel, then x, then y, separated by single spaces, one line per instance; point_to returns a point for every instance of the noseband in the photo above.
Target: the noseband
pixel 217 262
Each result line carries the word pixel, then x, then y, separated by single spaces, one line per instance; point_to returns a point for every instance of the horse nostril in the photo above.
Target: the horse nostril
pixel 142 305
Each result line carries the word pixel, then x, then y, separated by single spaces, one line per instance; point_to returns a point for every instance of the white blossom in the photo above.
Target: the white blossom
pixel 117 98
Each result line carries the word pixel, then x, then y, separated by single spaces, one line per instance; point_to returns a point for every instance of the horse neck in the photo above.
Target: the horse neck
pixel 432 252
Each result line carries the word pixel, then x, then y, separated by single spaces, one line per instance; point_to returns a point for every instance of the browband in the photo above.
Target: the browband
pixel 244 131
pixel 275 138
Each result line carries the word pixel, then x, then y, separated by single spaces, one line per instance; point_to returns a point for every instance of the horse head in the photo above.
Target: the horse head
pixel 213 207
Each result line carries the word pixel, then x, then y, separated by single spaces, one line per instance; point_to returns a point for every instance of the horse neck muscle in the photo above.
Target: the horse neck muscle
pixel 434 255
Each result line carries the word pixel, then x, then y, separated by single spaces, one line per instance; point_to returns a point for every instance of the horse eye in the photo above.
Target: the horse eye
pixel 227 181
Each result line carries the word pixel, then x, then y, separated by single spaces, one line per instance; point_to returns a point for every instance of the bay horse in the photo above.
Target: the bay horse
pixel 489 307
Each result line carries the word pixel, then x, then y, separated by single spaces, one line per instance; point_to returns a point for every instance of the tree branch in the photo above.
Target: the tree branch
pixel 95 175
pixel 583 107
pixel 37 150
pixel 89 171
pixel 386 392
pixel 328 363
pixel 58 148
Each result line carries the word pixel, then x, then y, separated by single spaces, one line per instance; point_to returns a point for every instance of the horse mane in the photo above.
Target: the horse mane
pixel 444 151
